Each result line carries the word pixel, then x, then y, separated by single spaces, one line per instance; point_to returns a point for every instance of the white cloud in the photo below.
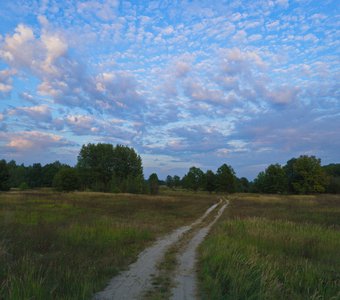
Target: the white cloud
pixel 283 3
pixel 283 95
pixel 273 25
pixel 6 81
pixel 29 140
pixel 38 113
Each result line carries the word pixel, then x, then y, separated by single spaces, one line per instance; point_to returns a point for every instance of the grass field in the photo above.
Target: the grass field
pixel 67 246
pixel 274 247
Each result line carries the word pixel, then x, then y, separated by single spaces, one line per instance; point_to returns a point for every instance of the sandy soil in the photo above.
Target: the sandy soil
pixel 133 283
pixel 185 280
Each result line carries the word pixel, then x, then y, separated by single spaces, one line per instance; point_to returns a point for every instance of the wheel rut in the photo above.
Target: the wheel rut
pixel 186 276
pixel 137 281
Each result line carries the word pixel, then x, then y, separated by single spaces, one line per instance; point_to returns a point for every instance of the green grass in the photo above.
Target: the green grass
pixel 274 247
pixel 67 246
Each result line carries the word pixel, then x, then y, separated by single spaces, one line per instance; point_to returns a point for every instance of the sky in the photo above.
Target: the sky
pixel 185 83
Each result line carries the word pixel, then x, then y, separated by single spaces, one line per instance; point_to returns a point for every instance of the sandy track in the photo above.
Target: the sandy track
pixel 131 284
pixel 186 278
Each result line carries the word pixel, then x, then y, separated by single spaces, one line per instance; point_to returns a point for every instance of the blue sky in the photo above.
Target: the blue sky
pixel 186 83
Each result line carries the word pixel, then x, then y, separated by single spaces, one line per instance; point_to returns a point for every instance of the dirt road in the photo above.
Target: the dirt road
pixel 185 280
pixel 133 283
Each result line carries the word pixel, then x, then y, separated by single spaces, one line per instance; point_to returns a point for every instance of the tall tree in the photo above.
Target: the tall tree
pixel 210 181
pixel 35 175
pixel 128 169
pixel 169 181
pixel 243 185
pixel 305 175
pixel 272 180
pixel 153 184
pixel 194 179
pixel 333 174
pixel 50 170
pixel 104 167
pixel 226 179
pixel 4 176
pixel 96 165
pixel 176 180
pixel 66 179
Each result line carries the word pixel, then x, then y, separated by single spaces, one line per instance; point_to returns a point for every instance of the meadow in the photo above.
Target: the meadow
pixel 273 247
pixel 68 245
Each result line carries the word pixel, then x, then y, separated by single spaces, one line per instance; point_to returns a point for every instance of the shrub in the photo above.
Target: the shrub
pixel 66 180
pixel 23 186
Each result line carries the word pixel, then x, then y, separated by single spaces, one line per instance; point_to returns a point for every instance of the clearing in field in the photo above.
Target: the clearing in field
pixel 68 246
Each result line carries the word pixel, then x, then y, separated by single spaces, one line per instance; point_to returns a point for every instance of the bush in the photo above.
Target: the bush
pixel 23 186
pixel 66 180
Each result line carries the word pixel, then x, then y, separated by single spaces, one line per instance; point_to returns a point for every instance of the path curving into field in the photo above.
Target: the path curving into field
pixel 186 276
pixel 133 283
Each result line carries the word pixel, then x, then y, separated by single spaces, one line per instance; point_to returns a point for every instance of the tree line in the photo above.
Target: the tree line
pixel 107 168
pixel 302 175
pixel 100 167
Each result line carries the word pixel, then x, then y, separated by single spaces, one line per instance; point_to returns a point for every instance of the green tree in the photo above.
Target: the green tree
pixel 194 179
pixel 243 185
pixel 49 171
pixel 332 170
pixel 4 176
pixel 153 184
pixel 226 179
pixel 169 181
pixel 18 174
pixel 35 175
pixel 177 181
pixel 96 166
pixel 210 181
pixel 103 167
pixel 259 183
pixel 127 169
pixel 272 180
pixel 333 174
pixel 305 175
pixel 66 179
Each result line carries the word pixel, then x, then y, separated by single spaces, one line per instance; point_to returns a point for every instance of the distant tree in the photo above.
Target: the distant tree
pixel 243 185
pixel 128 168
pixel 332 170
pixel 333 185
pixel 67 179
pixel 103 167
pixel 35 175
pixel 194 179
pixel 210 181
pixel 49 171
pixel 18 174
pixel 305 175
pixel 272 180
pixel 169 181
pixel 153 184
pixel 4 176
pixel 226 179
pixel 259 183
pixel 23 186
pixel 177 181
pixel 96 166
pixel 333 174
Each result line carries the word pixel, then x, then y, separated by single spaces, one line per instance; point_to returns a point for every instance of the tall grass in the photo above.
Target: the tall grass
pixel 67 246
pixel 273 249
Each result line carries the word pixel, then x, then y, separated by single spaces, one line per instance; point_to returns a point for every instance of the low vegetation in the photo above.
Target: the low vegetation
pixel 68 245
pixel 274 247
